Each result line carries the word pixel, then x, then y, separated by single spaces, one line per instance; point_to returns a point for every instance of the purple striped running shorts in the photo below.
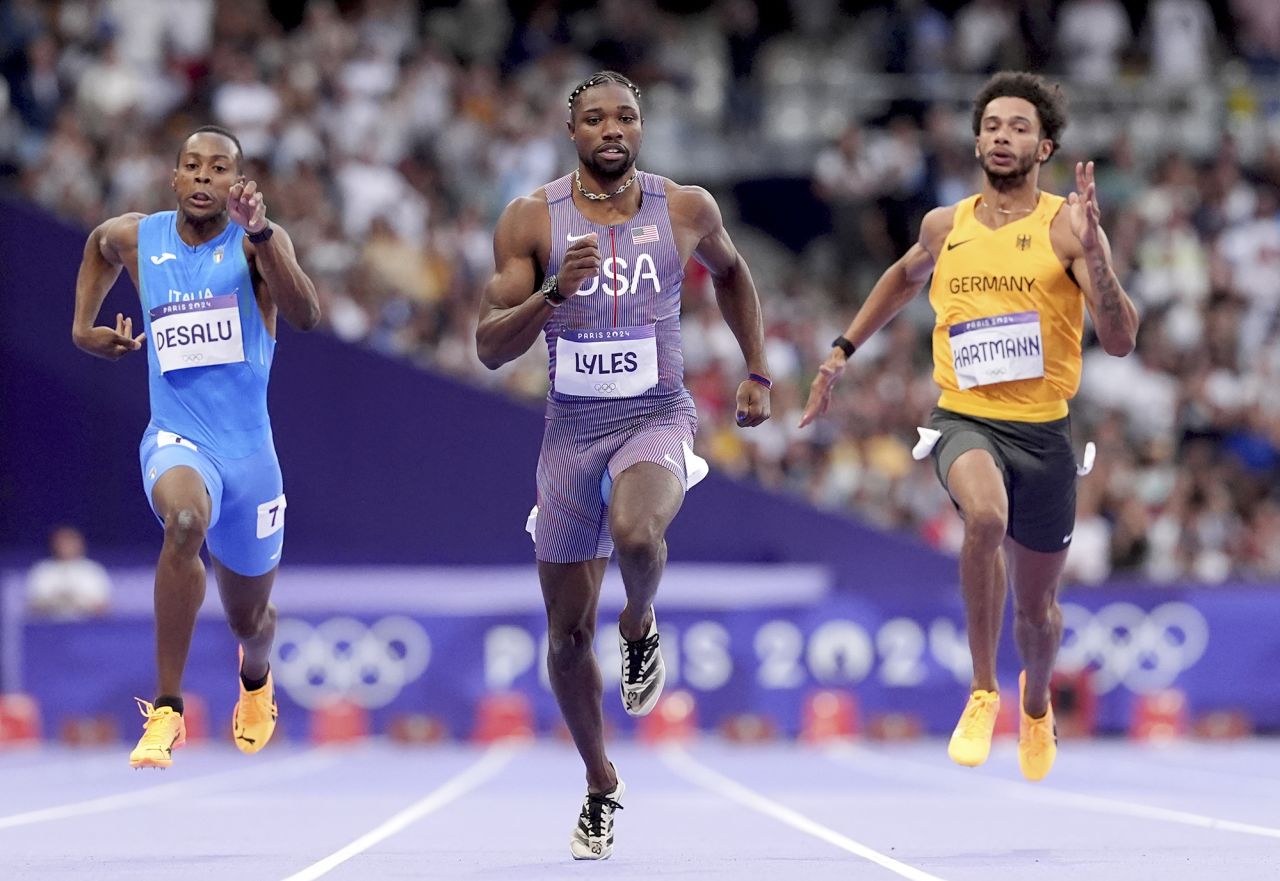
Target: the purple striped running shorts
pixel 581 455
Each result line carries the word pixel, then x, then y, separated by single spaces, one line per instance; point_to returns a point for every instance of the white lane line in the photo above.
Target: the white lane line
pixel 293 766
pixel 488 765
pixel 875 761
pixel 686 766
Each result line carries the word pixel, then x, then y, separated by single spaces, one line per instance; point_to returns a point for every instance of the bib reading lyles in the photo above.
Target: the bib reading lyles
pixel 611 362
pixel 1002 348
pixel 197 333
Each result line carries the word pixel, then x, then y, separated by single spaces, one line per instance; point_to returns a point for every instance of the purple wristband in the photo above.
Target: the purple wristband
pixel 762 380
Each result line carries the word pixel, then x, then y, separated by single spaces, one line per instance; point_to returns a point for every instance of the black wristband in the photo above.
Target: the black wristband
pixel 844 345
pixel 261 235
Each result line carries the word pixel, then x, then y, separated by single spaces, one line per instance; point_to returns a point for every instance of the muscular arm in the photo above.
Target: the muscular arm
pixel 286 284
pixel 104 255
pixel 735 290
pixel 1115 318
pixel 894 289
pixel 512 311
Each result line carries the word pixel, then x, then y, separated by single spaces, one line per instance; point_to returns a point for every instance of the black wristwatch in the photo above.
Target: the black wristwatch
pixel 550 291
pixel 261 235
pixel 843 345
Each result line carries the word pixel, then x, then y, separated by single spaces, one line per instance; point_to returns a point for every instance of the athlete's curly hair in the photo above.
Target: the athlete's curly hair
pixel 1048 99
pixel 600 78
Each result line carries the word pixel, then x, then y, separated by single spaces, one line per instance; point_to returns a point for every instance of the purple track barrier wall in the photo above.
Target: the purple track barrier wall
pixel 742 639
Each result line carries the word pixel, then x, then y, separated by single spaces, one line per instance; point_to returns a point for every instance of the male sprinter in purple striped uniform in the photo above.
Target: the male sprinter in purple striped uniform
pixel 212 280
pixel 594 260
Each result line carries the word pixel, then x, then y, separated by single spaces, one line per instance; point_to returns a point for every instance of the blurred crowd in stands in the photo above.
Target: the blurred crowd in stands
pixel 388 135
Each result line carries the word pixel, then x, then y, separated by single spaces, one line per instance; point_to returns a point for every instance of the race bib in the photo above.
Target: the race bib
pixel 1001 348
pixel 197 333
pixel 613 362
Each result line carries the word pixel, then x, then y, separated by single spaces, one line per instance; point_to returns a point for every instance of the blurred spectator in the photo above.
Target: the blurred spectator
pixel 1257 34
pixel 1181 36
pixel 68 584
pixel 849 180
pixel 985 33
pixel 1092 37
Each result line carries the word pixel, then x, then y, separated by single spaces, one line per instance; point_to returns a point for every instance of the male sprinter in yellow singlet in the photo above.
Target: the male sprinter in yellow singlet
pixel 1013 269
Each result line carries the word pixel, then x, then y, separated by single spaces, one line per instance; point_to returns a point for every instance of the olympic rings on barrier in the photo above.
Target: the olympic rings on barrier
pixel 1124 645
pixel 342 657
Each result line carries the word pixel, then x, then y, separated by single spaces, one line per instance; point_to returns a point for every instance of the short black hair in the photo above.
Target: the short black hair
pixel 1048 99
pixel 600 78
pixel 216 130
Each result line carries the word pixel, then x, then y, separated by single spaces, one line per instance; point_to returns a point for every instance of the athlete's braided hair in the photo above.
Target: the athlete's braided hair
pixel 600 78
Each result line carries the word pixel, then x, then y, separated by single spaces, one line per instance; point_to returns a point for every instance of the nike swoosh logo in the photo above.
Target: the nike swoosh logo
pixel 163 258
pixel 1067 538
pixel 572 238
pixel 672 461
pixel 954 245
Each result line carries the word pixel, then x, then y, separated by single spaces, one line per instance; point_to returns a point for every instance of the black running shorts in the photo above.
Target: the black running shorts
pixel 1038 465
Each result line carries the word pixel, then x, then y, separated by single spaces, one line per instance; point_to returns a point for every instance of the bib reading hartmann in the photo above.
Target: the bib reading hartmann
pixel 197 333
pixel 1002 348
pixel 611 362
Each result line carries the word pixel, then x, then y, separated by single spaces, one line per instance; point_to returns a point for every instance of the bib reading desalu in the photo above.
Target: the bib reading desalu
pixel 612 362
pixel 1001 348
pixel 197 333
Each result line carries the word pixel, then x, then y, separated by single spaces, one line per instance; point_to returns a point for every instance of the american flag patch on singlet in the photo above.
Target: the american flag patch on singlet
pixel 641 235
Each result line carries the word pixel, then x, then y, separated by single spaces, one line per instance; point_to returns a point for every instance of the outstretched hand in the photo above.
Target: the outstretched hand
pixel 820 389
pixel 1083 207
pixel 246 206
pixel 111 344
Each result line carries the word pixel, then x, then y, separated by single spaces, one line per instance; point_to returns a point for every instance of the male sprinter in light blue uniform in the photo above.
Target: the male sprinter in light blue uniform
pixel 212 277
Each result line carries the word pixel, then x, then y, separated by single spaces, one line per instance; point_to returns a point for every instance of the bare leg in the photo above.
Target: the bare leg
pixel 246 599
pixel 1037 626
pixel 644 501
pixel 183 503
pixel 572 592
pixel 975 482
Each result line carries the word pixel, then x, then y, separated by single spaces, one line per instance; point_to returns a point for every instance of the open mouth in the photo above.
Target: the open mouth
pixel 612 152
pixel 200 199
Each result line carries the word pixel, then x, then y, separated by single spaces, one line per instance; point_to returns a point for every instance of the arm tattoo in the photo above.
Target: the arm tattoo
pixel 1107 288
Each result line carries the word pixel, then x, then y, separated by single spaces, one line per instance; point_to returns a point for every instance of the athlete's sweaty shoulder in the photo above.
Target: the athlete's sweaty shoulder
pixel 521 250
pixel 935 227
pixel 1064 242
pixel 692 209
pixel 524 229
pixel 695 218
pixel 117 237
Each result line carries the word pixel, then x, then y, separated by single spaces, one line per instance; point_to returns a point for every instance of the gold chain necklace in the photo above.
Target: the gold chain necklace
pixel 1007 211
pixel 600 197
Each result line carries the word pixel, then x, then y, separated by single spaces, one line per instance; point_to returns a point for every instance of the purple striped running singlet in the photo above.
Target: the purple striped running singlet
pixel 612 325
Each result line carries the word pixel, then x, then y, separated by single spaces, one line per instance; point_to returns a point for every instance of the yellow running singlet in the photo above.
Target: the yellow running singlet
pixel 1006 341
